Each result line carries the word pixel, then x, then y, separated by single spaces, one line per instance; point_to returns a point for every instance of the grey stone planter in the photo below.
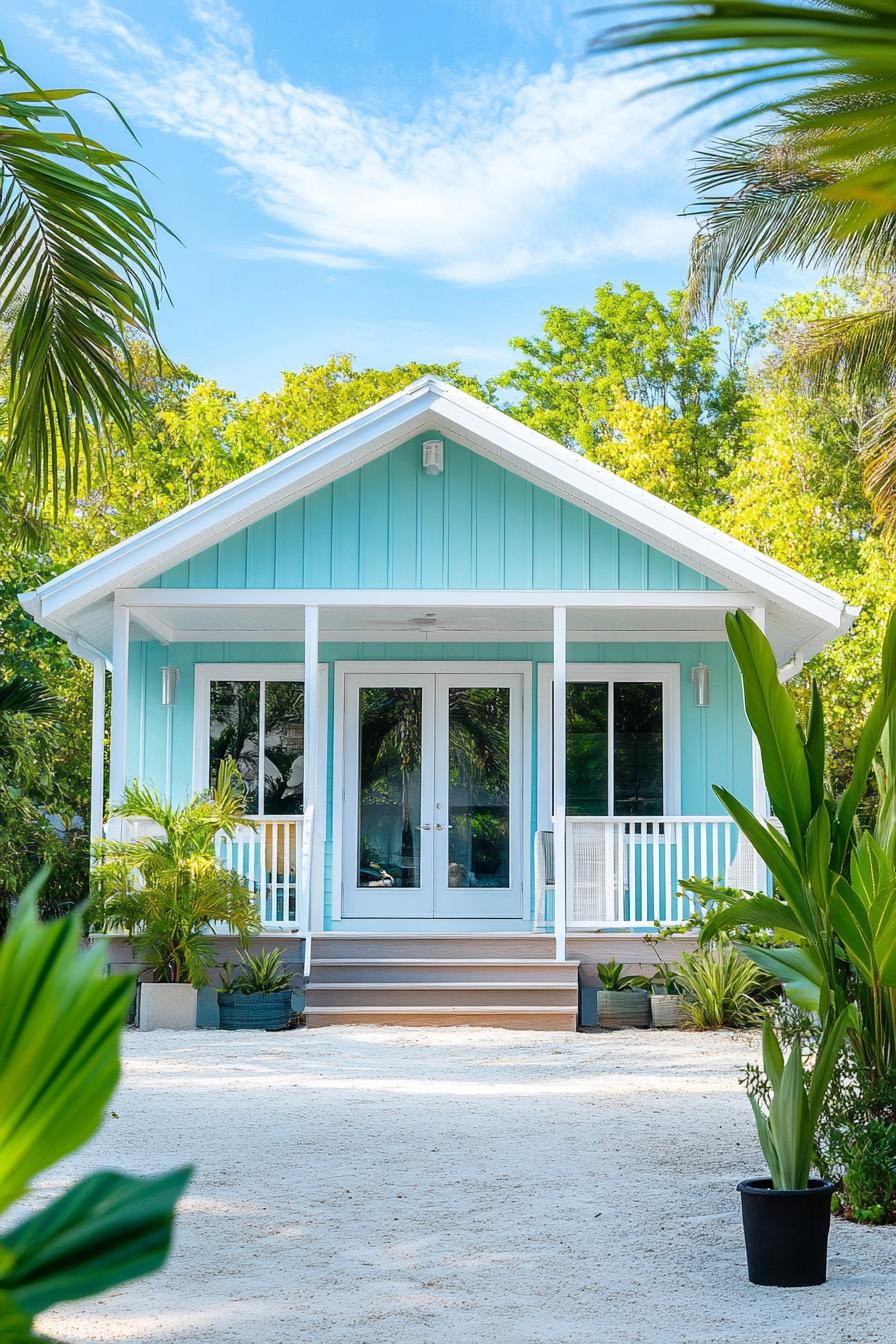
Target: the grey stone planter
pixel 665 1010
pixel 255 1012
pixel 166 1007
pixel 623 1008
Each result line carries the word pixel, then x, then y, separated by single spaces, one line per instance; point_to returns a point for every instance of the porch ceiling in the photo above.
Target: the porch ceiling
pixel 430 618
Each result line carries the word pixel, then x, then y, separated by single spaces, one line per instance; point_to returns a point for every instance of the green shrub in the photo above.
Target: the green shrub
pixel 870 1179
pixel 720 988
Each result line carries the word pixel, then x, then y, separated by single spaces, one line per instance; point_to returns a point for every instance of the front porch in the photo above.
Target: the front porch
pixel 574 804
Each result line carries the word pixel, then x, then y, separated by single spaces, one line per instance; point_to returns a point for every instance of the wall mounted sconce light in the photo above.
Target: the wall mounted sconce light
pixel 700 683
pixel 170 678
pixel 433 456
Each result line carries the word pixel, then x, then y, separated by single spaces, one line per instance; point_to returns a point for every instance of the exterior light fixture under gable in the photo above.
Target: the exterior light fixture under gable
pixel 433 456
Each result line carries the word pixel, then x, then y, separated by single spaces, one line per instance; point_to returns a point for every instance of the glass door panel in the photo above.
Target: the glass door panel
pixel 477 793
pixel 387 805
pixel 390 754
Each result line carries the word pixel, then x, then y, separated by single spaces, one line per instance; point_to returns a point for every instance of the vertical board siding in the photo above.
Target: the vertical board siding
pixel 475 525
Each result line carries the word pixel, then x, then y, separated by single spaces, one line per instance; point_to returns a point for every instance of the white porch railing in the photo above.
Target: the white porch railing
pixel 624 871
pixel 272 861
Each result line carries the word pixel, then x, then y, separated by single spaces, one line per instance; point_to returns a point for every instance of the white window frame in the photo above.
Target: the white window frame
pixel 667 674
pixel 206 673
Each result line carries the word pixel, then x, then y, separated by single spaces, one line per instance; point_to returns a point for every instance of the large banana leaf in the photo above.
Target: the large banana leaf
pixel 868 744
pixel 773 719
pixel 107 1229
pixel 795 968
pixel 60 1021
pixel 863 912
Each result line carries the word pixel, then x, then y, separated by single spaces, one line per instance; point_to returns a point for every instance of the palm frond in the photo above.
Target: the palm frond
pixel 21 695
pixel 79 270
pixel 831 63
pixel 762 199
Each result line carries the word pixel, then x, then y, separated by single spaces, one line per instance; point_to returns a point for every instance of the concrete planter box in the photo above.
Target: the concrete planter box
pixel 166 1007
pixel 665 1010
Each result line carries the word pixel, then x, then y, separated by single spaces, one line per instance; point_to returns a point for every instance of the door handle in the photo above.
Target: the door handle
pixel 440 827
pixel 425 826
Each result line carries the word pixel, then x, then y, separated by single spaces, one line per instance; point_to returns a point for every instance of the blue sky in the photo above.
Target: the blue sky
pixel 394 179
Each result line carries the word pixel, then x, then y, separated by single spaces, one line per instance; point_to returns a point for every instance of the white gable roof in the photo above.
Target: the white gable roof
pixel 430 404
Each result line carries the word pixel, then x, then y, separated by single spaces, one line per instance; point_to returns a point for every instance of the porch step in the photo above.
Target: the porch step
pixel 435 946
pixel 541 1018
pixel 497 980
pixel 429 970
pixel 459 993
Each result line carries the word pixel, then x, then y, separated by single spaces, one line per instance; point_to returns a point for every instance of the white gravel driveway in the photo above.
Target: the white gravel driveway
pixel 365 1185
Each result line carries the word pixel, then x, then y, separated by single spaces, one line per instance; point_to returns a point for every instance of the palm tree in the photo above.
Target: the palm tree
pixel 79 273
pixel 763 199
pixel 169 890
pixel 21 696
pixel 817 186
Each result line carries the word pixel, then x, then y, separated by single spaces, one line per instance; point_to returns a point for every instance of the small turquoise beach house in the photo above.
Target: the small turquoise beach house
pixel 478 689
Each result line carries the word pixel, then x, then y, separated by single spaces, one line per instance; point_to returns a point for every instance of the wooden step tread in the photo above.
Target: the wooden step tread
pixel 439 1010
pixel 524 962
pixel 374 986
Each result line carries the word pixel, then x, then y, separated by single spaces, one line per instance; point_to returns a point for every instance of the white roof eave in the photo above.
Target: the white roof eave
pixel 425 404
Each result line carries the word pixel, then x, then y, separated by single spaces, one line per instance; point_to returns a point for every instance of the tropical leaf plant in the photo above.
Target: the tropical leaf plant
pixel 167 890
pixel 787 1130
pixel 79 273
pixel 834 886
pixel 612 979
pixel 61 1018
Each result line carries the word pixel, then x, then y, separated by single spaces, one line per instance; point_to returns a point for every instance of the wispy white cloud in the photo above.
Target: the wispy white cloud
pixel 516 172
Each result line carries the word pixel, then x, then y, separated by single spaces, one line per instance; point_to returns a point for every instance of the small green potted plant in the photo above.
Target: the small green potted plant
pixel 787 1214
pixel 257 995
pixel 665 997
pixel 622 1000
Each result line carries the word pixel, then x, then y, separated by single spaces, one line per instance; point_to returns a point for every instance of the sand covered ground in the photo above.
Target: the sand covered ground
pixel 373 1185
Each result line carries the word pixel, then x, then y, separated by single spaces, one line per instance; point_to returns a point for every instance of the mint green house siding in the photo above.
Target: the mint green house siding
pixel 474 526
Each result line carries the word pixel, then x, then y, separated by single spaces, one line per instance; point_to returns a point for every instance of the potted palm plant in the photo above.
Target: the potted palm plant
pixel 256 995
pixel 622 1000
pixel 787 1214
pixel 167 890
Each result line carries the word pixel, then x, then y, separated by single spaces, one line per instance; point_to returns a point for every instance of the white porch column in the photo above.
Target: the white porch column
pixel 97 751
pixel 310 772
pixel 118 727
pixel 559 767
pixel 760 796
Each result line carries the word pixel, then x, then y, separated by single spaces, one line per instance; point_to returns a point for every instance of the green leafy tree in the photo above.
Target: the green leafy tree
pixel 631 386
pixel 60 1025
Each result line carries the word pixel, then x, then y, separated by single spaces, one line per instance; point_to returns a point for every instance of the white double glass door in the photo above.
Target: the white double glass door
pixel 433 791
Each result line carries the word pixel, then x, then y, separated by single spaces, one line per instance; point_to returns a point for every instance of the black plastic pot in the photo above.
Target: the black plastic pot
pixel 786 1232
pixel 255 1012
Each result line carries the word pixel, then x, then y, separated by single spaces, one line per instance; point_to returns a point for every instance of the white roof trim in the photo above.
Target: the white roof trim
pixel 426 404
